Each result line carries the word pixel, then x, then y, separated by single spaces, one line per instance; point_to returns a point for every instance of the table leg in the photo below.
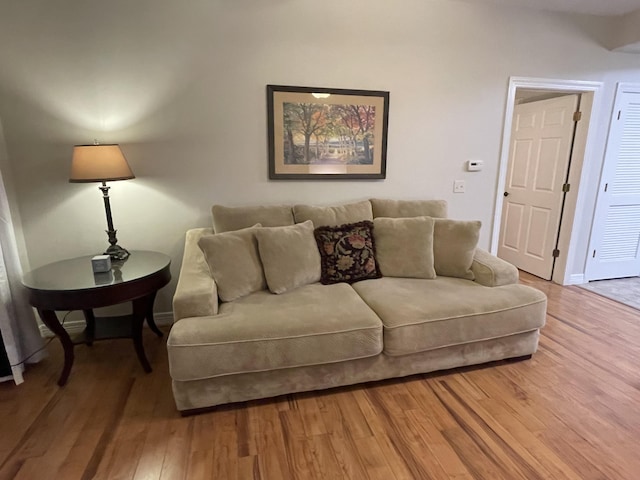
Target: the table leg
pixel 50 319
pixel 140 309
pixel 90 329
pixel 150 321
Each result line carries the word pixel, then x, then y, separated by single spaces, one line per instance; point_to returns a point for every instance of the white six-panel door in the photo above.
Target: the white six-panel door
pixel 540 150
pixel 615 236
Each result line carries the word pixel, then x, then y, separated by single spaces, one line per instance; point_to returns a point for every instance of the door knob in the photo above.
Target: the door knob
pixel 506 194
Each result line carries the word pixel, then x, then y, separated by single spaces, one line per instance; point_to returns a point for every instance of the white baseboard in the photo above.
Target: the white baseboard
pixel 577 279
pixel 77 326
pixel 163 318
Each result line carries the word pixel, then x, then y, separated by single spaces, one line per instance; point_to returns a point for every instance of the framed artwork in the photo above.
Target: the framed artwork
pixel 327 133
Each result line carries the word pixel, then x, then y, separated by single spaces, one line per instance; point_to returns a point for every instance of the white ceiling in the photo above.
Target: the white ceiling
pixel 593 7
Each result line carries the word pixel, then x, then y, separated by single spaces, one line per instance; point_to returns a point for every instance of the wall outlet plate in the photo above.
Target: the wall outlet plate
pixel 458 186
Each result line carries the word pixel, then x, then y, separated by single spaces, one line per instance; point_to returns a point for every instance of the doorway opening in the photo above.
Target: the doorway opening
pixel 558 243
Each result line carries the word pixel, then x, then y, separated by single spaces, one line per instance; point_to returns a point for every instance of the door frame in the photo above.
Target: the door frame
pixel 582 162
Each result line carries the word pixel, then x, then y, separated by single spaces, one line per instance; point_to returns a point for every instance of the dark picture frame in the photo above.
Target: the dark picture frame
pixel 327 133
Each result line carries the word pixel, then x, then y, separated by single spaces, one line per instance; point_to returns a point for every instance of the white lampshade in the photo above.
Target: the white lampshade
pixel 99 163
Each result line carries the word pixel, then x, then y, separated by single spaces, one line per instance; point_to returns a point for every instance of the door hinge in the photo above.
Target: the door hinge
pixel 556 253
pixel 577 116
pixel 566 187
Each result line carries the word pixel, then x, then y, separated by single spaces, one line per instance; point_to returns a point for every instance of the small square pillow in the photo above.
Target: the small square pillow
pixel 289 255
pixel 454 245
pixel 404 246
pixel 234 262
pixel 347 253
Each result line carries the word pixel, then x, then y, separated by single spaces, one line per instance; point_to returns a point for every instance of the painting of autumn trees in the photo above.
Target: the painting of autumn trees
pixel 317 133
pixel 326 133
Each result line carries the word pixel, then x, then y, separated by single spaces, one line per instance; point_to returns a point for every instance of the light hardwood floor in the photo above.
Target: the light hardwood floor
pixel 572 411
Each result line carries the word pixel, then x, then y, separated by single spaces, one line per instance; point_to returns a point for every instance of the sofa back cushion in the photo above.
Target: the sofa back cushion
pixel 227 219
pixel 383 207
pixel 347 253
pixel 454 245
pixel 334 216
pixel 234 262
pixel 289 255
pixel 404 246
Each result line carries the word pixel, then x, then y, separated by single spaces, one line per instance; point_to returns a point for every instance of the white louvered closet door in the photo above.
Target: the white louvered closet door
pixel 615 237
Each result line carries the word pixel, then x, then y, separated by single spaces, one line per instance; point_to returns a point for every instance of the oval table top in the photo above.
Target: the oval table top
pixel 56 285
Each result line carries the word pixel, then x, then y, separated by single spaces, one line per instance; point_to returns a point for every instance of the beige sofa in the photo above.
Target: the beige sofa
pixel 317 336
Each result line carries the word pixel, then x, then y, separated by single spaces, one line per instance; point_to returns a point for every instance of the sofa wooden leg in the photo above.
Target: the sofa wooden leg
pixel 519 359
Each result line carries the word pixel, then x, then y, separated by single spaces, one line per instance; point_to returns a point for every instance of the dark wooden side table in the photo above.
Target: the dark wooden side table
pixel 72 285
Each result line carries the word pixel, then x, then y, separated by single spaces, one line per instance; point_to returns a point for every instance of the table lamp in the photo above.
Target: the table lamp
pixel 102 163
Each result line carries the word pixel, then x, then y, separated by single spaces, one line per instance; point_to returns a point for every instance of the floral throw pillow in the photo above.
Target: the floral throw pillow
pixel 347 253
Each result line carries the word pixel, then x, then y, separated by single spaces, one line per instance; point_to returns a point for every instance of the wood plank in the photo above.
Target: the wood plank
pixel 221 431
pixel 270 439
pixel 569 412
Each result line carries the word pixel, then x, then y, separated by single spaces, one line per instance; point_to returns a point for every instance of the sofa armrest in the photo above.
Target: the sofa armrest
pixel 492 271
pixel 196 293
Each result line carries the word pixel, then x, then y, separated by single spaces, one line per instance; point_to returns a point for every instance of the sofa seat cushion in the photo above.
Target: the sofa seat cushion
pixel 420 315
pixel 312 325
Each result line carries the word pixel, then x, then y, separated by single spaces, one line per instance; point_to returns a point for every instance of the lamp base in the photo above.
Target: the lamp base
pixel 116 252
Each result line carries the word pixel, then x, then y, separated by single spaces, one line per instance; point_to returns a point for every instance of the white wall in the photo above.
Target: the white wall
pixel 181 86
